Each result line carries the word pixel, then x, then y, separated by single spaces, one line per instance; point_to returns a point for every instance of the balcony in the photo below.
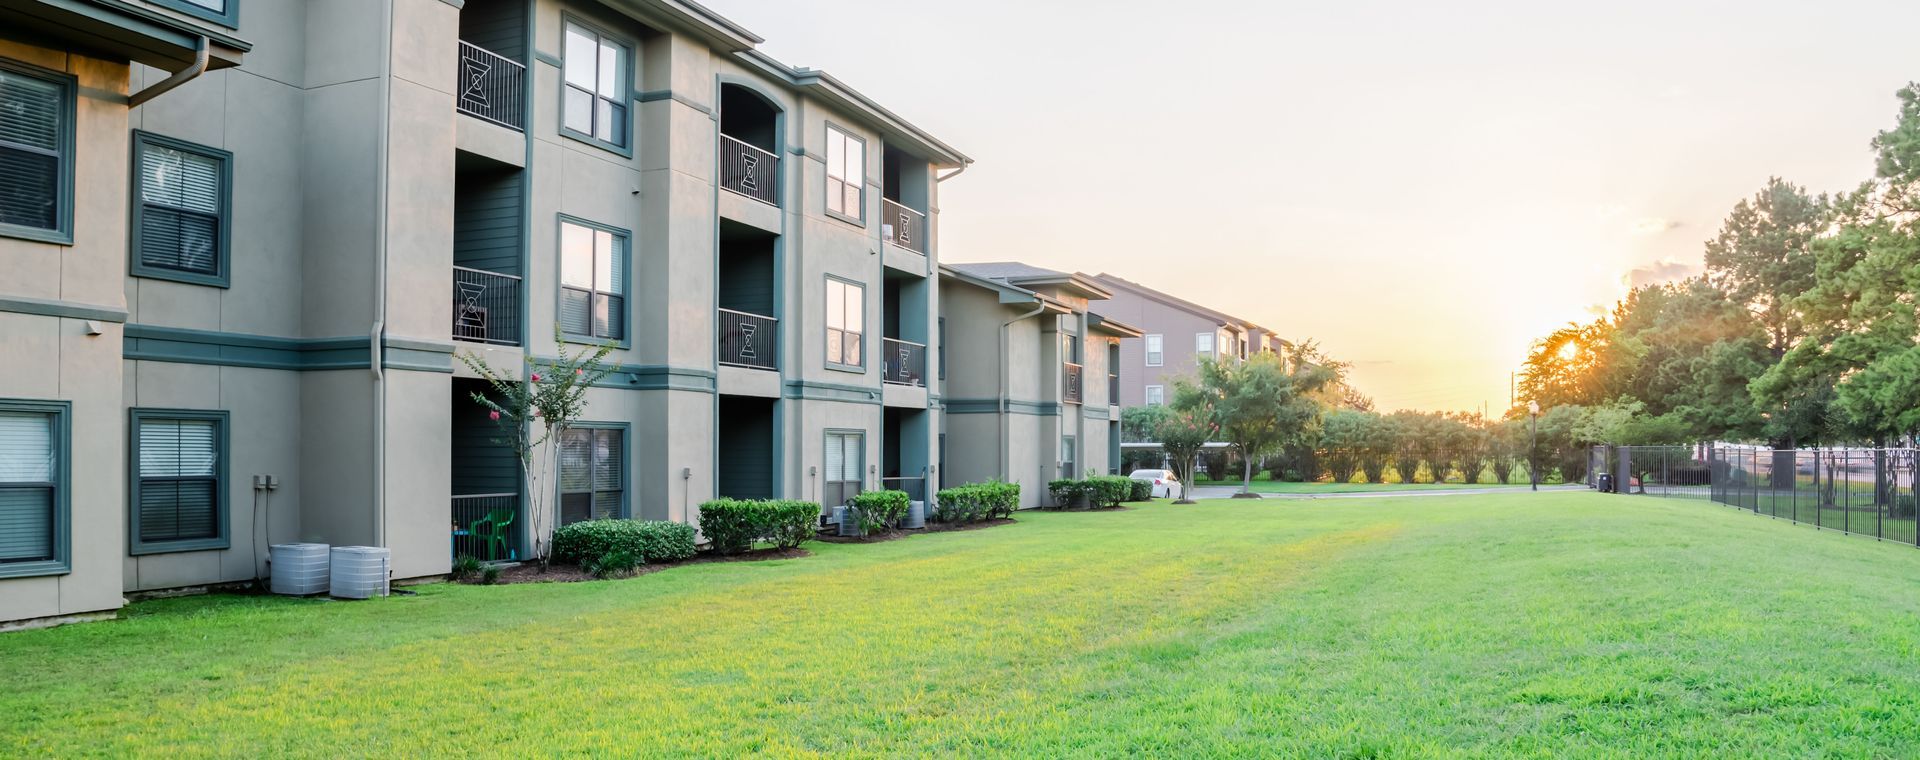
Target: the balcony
pixel 749 171
pixel 748 340
pixel 903 226
pixel 1070 380
pixel 486 307
pixel 906 362
pixel 491 87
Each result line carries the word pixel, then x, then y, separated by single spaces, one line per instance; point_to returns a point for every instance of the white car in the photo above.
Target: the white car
pixel 1165 486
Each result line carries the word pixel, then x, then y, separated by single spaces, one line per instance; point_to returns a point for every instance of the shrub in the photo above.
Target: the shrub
pixel 650 540
pixel 489 575
pixel 880 510
pixel 734 524
pixel 618 563
pixel 1139 490
pixel 1106 490
pixel 1065 493
pixel 464 566
pixel 977 501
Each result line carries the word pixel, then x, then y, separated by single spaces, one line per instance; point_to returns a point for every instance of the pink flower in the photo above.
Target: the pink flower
pixel 536 377
pixel 494 415
pixel 579 372
pixel 536 412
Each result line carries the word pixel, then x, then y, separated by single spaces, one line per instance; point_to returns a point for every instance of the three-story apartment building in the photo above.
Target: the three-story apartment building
pixel 1029 376
pixel 1177 334
pixel 246 244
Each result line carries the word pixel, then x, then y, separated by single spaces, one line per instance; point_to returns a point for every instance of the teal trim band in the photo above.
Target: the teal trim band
pixel 653 95
pixel 146 23
pixel 60 413
pixel 66 309
pixel 991 406
pixel 547 58
pixel 650 377
pixel 222 538
pixel 183 346
pixel 1094 412
pixel 814 391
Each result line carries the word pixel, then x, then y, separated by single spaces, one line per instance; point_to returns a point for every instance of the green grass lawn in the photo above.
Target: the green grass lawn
pixel 1551 625
pixel 1282 486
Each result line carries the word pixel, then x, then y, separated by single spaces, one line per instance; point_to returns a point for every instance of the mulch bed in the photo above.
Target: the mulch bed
pixel 530 572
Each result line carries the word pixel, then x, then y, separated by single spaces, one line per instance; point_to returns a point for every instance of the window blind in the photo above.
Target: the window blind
pixel 31 111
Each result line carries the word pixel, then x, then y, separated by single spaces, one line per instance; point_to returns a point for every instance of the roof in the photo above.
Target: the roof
pixel 1027 276
pixel 119 29
pixel 1175 301
pixel 1113 326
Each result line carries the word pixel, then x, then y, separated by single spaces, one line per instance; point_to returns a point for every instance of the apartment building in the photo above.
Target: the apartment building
pixel 243 242
pixel 1029 376
pixel 1177 334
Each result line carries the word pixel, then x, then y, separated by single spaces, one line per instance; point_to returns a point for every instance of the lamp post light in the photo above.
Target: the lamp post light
pixel 1533 443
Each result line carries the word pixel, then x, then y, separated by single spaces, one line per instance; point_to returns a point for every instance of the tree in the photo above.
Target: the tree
pixel 1264 403
pixel 1763 257
pixel 1468 442
pixel 1139 423
pixel 1407 427
pixel 534 416
pixel 1184 432
pixel 1343 443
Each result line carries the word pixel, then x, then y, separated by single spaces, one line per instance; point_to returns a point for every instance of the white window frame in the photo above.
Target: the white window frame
pixel 849 152
pixel 1207 339
pixel 852 311
pixel 1156 395
pixel 1155 350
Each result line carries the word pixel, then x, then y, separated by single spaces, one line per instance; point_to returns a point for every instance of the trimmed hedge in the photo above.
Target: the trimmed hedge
pixel 1140 490
pixel 880 510
pixel 1107 490
pixel 974 502
pixel 734 524
pixel 1066 493
pixel 590 541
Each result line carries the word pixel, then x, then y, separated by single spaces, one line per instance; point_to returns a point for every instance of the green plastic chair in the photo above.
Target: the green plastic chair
pixel 491 532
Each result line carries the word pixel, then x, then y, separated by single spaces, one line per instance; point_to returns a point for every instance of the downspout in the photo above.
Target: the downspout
pixel 1006 381
pixel 198 67
pixel 378 333
pixel 939 178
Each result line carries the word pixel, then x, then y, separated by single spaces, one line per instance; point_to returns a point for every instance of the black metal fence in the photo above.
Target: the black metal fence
pixel 490 86
pixel 749 340
pixel 903 226
pixel 1868 492
pixel 749 170
pixel 487 526
pixel 486 306
pixel 906 362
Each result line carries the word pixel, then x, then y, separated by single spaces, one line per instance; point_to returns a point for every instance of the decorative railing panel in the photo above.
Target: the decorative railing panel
pixel 491 87
pixel 749 340
pixel 486 307
pixel 906 362
pixel 749 171
pixel 903 226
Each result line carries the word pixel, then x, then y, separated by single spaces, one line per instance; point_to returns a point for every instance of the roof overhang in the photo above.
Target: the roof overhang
pixel 114 29
pixel 1075 283
pixel 820 84
pixel 1008 293
pixel 694 19
pixel 1111 327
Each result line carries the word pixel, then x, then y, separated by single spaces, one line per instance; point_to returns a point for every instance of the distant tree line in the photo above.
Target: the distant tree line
pixel 1803 329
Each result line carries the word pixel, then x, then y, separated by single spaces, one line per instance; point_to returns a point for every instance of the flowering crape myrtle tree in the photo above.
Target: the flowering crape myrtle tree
pixel 1184 431
pixel 535 416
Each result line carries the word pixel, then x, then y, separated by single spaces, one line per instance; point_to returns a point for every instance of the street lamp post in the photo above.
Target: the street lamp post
pixel 1533 443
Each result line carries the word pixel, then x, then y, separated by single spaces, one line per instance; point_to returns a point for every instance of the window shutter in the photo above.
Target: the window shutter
pixel 30 142
pixel 180 217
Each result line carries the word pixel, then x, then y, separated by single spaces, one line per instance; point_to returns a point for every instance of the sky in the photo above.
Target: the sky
pixel 1423 188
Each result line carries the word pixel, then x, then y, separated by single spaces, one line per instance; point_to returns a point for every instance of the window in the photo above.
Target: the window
pixel 223 12
pixel 1067 456
pixel 594 100
pixel 36 153
pixel 593 474
pixel 846 174
pixel 943 348
pixel 179 461
pixel 33 488
pixel 846 317
pixel 593 281
pixel 1156 395
pixel 1156 354
pixel 181 193
pixel 845 460
pixel 1203 345
pixel 1069 348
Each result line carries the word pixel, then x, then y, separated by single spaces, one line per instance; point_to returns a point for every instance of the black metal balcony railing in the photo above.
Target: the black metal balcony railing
pixel 1071 380
pixel 903 226
pixel 749 171
pixel 484 526
pixel 486 307
pixel 1113 390
pixel 906 362
pixel 491 87
pixel 749 340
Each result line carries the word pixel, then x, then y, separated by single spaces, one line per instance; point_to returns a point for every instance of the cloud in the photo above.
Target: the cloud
pixel 1659 272
pixel 1653 225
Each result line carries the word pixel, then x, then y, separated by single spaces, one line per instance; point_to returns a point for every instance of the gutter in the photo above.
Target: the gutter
pixel 201 53
pixel 955 173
